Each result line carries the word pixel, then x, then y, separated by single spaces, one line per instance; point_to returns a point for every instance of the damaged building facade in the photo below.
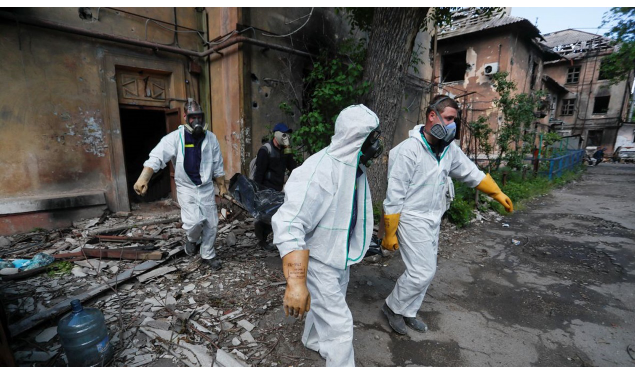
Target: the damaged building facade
pixel 473 48
pixel 90 91
pixel 588 105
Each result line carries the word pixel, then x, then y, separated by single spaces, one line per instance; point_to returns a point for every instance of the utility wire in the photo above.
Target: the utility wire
pixel 307 21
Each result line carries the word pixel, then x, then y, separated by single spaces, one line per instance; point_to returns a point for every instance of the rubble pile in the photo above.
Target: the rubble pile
pixel 168 309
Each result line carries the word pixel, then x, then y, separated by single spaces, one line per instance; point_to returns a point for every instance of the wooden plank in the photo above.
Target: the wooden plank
pixel 128 226
pixel 122 253
pixel 64 306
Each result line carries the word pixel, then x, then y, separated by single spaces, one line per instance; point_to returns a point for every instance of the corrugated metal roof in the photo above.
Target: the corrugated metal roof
pixel 475 23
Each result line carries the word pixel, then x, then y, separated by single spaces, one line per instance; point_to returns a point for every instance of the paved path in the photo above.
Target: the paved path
pixel 565 296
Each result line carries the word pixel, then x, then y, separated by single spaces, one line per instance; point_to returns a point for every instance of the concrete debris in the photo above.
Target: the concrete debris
pixel 9 271
pixel 239 354
pixel 77 272
pixel 155 273
pixel 142 360
pixel 46 335
pixel 230 239
pixel 247 337
pixel 33 356
pixel 4 241
pixel 174 312
pixel 224 359
pixel 245 324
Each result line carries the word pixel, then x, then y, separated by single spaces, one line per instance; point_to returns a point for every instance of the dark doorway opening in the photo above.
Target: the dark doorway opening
pixel 141 131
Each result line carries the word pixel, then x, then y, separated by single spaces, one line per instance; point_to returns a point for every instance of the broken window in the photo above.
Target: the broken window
pixel 573 75
pixel 453 67
pixel 534 73
pixel 568 106
pixel 594 138
pixel 601 104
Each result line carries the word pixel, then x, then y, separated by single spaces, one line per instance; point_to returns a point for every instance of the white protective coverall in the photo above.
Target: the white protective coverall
pixel 198 206
pixel 417 190
pixel 316 215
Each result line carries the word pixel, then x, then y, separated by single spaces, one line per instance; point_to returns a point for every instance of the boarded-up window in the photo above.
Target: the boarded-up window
pixel 568 106
pixel 453 67
pixel 601 104
pixel 573 74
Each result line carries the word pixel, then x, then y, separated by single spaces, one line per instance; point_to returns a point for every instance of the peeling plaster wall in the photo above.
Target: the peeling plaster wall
pixel 588 87
pixel 55 132
pixel 249 83
pixel 509 50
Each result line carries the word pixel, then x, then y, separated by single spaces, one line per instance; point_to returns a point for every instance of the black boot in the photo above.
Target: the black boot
pixel 267 246
pixel 416 324
pixel 214 263
pixel 396 321
pixel 190 247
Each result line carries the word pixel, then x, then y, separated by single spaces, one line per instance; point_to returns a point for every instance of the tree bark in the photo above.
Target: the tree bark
pixel 390 46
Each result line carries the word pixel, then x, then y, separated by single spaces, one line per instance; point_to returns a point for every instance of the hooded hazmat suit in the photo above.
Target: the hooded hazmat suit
pixel 198 206
pixel 417 190
pixel 317 216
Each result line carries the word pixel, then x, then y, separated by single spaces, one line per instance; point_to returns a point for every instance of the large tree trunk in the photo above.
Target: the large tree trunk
pixel 390 48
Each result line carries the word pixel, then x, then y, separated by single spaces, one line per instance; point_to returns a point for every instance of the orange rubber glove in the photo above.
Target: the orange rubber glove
pixel 390 242
pixel 297 299
pixel 489 187
pixel 141 186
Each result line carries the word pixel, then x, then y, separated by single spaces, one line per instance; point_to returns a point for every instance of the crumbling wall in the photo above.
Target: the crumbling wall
pixel 513 54
pixel 58 134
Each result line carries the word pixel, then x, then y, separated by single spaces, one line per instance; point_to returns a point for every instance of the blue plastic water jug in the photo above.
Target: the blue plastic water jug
pixel 84 336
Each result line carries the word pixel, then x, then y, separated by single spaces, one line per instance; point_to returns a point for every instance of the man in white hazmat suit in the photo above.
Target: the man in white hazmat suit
pixel 323 227
pixel 198 163
pixel 418 170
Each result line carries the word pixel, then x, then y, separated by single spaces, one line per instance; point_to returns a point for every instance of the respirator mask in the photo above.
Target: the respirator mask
pixel 197 125
pixel 371 148
pixel 284 140
pixel 441 131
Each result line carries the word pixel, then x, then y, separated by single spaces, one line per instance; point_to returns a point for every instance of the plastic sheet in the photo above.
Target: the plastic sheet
pixel 6 264
pixel 39 260
pixel 374 248
pixel 260 201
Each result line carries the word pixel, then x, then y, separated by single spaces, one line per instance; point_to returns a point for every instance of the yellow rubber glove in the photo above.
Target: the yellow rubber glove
pixel 391 222
pixel 222 189
pixel 490 188
pixel 297 299
pixel 141 186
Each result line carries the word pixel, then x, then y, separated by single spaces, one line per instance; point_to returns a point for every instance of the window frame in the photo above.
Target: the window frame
pixel 569 104
pixel 573 76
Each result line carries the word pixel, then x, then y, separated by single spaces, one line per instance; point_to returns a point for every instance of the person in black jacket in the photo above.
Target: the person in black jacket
pixel 273 160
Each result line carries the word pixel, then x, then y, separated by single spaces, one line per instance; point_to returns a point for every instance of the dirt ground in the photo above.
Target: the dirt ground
pixel 550 285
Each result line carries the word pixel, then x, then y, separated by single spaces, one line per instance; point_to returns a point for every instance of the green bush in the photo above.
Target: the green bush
pixel 460 212
pixel 517 188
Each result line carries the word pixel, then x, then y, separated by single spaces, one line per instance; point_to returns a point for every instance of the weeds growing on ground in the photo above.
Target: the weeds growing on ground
pixel 60 268
pixel 518 190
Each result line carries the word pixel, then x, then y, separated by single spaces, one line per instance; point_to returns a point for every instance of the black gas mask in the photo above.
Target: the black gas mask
pixel 197 125
pixel 194 112
pixel 372 147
